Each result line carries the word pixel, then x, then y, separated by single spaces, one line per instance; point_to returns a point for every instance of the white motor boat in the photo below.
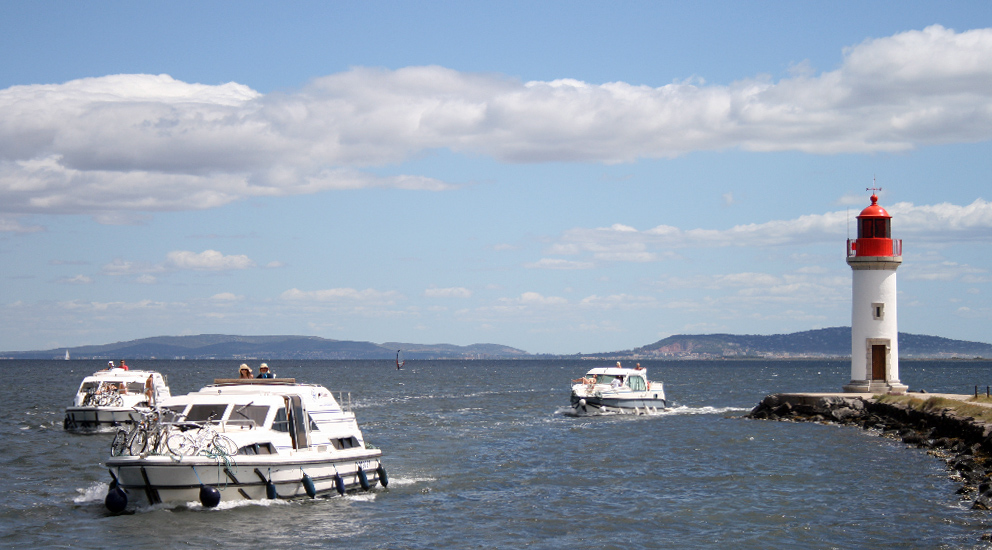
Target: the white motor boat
pixel 114 397
pixel 617 390
pixel 243 439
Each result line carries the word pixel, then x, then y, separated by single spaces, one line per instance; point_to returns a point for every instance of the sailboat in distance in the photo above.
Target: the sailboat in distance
pixel 399 359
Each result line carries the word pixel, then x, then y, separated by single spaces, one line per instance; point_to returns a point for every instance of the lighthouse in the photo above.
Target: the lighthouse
pixel 874 257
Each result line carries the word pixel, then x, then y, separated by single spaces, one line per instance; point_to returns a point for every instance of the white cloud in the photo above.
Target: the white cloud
pixel 452 292
pixel 367 296
pixel 619 301
pixel 10 224
pixel 77 280
pixel 127 267
pixel 104 307
pixel 146 143
pixel 946 271
pixel 941 223
pixel 208 260
pixel 558 263
pixel 227 297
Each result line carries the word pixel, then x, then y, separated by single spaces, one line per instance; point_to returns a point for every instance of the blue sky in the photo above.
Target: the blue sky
pixel 558 177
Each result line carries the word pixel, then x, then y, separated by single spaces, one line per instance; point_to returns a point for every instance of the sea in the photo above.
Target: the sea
pixel 482 454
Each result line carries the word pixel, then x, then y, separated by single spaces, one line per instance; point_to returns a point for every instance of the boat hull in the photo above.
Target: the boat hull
pixel 598 404
pixel 99 419
pixel 165 479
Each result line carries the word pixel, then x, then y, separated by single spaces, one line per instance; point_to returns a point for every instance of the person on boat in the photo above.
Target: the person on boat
pixel 122 388
pixel 150 390
pixel 245 371
pixel 123 365
pixel 263 371
pixel 110 365
pixel 617 382
pixel 638 367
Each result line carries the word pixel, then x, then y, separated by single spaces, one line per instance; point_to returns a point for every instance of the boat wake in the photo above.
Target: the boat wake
pixel 667 411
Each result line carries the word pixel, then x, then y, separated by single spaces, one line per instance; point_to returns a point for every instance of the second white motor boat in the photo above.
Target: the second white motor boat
pixel 245 439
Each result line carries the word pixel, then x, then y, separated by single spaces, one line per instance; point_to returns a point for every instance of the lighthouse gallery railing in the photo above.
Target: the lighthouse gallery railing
pixel 874 247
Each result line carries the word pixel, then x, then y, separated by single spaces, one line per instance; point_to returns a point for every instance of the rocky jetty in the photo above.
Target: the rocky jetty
pixel 963 442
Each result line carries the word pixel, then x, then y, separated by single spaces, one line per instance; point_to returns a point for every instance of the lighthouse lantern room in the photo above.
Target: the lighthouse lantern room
pixel 874 257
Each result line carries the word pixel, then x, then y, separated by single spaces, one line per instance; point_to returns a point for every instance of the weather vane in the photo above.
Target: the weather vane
pixel 873 188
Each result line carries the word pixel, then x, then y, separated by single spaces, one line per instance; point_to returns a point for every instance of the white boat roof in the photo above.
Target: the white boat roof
pixel 121 375
pixel 236 390
pixel 617 371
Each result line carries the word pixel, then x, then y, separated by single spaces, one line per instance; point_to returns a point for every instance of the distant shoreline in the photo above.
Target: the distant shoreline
pixel 520 359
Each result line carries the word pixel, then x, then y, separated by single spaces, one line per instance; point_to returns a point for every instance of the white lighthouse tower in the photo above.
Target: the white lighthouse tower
pixel 874 256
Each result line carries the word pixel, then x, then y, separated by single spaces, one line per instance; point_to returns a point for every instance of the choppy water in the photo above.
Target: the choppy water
pixel 480 455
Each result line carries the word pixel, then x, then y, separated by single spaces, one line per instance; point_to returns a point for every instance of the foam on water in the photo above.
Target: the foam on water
pixel 668 411
pixel 96 492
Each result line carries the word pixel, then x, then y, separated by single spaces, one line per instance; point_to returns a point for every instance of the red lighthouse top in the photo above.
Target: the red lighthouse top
pixel 873 210
pixel 874 233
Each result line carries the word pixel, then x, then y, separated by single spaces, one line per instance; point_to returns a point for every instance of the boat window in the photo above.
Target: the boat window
pixel 173 413
pixel 205 412
pixel 605 379
pixel 89 387
pixel 253 415
pixel 176 410
pixel 313 425
pixel 257 449
pixel 344 443
pixel 636 383
pixel 281 422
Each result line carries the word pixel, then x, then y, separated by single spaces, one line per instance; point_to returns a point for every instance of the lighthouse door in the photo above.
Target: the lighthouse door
pixel 878 362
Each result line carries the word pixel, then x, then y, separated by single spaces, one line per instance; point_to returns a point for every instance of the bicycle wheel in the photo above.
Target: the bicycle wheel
pixel 138 442
pixel 224 445
pixel 119 444
pixel 180 445
pixel 117 401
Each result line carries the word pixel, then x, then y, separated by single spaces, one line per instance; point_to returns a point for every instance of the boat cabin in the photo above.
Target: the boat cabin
pixel 129 384
pixel 264 416
pixel 635 379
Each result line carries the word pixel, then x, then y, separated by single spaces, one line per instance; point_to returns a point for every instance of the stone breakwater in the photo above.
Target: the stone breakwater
pixel 963 442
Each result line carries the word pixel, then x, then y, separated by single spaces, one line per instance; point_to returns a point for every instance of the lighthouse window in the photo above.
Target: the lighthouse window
pixel 878 311
pixel 875 228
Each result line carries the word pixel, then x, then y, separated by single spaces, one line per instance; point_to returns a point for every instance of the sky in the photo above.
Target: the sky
pixel 559 177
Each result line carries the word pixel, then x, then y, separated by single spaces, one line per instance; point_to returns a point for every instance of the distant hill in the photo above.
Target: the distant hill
pixel 822 343
pixel 827 342
pixel 222 346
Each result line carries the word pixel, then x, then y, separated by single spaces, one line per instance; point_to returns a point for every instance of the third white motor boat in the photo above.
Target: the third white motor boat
pixel 113 397
pixel 617 390
pixel 243 439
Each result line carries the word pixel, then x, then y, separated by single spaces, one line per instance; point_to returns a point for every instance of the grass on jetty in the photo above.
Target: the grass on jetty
pixel 979 408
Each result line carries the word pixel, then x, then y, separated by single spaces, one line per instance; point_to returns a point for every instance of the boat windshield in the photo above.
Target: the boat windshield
pixel 205 412
pixel 636 383
pixel 281 422
pixel 606 379
pixel 253 415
